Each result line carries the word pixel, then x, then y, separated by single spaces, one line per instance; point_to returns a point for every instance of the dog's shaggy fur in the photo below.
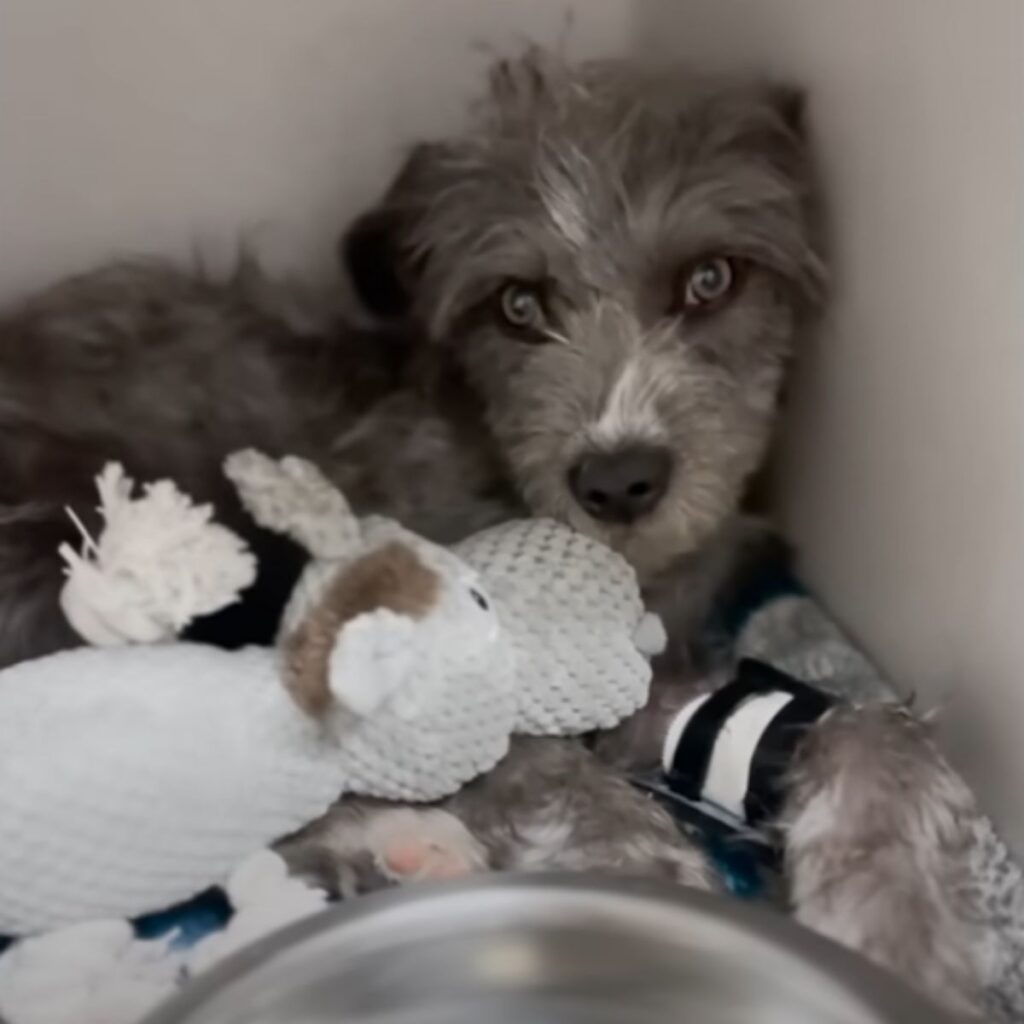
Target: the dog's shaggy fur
pixel 607 261
pixel 602 190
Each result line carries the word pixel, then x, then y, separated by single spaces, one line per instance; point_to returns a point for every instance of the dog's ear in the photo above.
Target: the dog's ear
pixel 379 251
pixel 791 103
pixel 370 253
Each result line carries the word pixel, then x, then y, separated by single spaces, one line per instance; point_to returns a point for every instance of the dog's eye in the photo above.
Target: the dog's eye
pixel 708 283
pixel 479 598
pixel 522 306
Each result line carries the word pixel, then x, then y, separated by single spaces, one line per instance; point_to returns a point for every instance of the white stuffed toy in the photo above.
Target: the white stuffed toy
pixel 132 777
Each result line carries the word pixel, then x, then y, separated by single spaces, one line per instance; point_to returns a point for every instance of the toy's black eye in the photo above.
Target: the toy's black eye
pixel 479 598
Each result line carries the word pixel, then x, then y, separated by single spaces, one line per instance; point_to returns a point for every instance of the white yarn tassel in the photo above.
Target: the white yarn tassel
pixel 159 563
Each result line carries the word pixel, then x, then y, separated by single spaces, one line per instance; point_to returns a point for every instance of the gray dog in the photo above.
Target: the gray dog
pixel 586 305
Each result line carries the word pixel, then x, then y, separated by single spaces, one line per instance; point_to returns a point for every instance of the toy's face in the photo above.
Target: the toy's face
pixel 457 615
pixel 463 619
pixel 401 651
pixel 448 673
pixel 569 609
pixel 456 653
pixel 427 750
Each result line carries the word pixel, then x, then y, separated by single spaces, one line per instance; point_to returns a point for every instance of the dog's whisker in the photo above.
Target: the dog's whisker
pixel 557 337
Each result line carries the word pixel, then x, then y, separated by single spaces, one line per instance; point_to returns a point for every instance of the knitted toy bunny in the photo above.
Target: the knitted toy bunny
pixel 135 774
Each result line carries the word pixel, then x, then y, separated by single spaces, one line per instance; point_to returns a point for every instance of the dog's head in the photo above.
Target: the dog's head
pixel 618 263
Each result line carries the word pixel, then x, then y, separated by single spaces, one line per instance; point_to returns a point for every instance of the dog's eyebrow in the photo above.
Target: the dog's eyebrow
pixel 728 214
pixel 483 265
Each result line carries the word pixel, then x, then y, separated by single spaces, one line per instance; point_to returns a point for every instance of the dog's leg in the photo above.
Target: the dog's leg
pixel 876 828
pixel 551 804
pixel 362 845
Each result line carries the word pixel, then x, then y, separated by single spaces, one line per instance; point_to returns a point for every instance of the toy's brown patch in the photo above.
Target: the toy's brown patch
pixel 391 577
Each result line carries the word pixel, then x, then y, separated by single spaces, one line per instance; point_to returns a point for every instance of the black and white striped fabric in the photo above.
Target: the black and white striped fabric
pixel 728 750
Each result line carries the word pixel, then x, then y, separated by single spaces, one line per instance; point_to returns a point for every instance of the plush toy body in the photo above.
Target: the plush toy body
pixel 133 776
pixel 166 760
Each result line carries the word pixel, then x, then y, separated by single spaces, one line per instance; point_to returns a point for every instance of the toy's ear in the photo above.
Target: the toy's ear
pixel 374 657
pixel 360 665
pixel 361 634
pixel 291 496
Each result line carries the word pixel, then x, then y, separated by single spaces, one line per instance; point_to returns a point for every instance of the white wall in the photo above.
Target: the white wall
pixel 903 476
pixel 156 124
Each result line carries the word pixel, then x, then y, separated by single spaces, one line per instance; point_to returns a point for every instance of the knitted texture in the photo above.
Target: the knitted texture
pixel 563 599
pixel 132 778
pixel 101 972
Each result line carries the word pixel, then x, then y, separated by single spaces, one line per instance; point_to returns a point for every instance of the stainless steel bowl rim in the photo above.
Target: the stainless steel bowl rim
pixel 880 993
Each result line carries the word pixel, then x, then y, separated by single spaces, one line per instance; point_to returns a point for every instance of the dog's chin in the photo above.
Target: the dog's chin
pixel 651 545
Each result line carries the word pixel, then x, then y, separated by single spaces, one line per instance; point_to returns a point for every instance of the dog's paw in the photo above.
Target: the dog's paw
pixel 341 875
pixel 411 845
pixel 354 851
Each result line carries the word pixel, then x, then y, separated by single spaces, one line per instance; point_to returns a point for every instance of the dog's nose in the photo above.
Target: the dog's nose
pixel 623 485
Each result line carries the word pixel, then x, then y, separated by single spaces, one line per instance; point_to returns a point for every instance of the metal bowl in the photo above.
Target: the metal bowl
pixel 545 950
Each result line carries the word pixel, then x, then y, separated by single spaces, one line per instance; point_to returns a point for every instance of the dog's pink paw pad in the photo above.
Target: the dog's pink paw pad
pixel 417 859
pixel 448 864
pixel 412 844
pixel 408 857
